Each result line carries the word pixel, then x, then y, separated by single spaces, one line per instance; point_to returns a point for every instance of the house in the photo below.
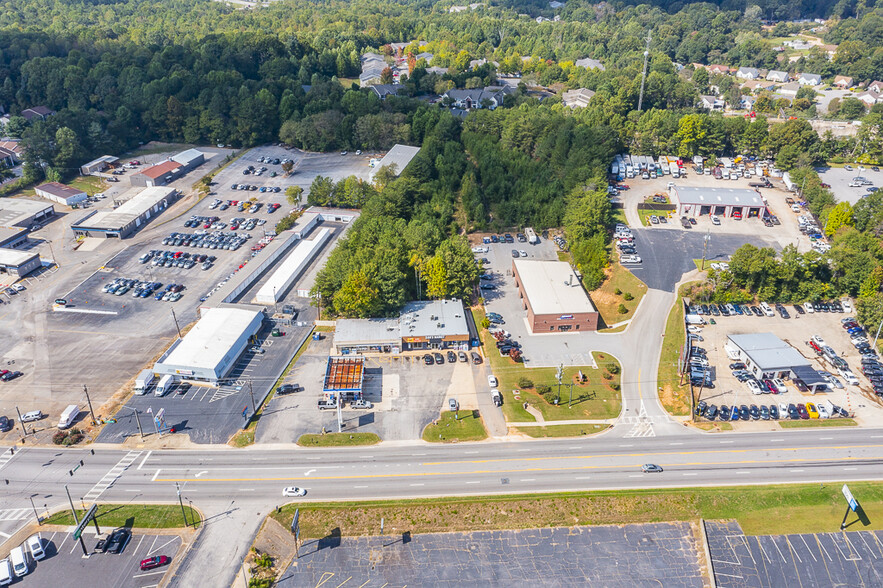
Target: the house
pixel 797 45
pixel 398 47
pixel 437 70
pixel 870 97
pixel 789 89
pixel 777 76
pixel 807 79
pixel 7 158
pixel 589 64
pixel 843 82
pixel 711 103
pixel 555 4
pixel 718 69
pixel 748 73
pixel 425 56
pixel 14 147
pixel 747 102
pixel 476 63
pixel 577 98
pixel 384 90
pixel 876 86
pixel 475 98
pixel 37 113
pixel 757 85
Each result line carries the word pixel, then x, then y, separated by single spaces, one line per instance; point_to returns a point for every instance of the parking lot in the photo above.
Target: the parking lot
pixel 65 565
pixel 796 331
pixel 839 178
pixel 212 414
pixel 786 233
pixel 406 396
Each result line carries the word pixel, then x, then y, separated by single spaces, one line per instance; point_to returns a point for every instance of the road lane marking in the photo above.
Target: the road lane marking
pixel 725 441
pixel 308 472
pixel 570 468
pixel 690 474
pixel 743 472
pixel 359 486
pixel 528 480
pixel 7 535
pixel 153 549
pixel 629 445
pixel 143 461
pixel 825 438
pixel 849 469
pixel 136 490
pixel 636 476
pixel 245 489
pixel 158 470
pixel 150 574
pixel 776 440
pixel 474 482
pixel 416 484
pixel 795 471
pixel 675 443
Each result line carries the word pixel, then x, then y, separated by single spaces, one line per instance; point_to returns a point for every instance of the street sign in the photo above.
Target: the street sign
pixel 295 522
pixel 853 503
pixel 85 521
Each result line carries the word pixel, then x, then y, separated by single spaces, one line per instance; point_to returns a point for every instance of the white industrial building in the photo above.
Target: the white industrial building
pixel 213 345
pixel 18 263
pixel 275 288
pixel 397 159
pixel 766 356
pixel 128 217
pixel 60 193
pixel 696 201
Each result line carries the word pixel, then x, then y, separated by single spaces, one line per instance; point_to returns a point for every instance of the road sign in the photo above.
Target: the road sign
pixel 85 521
pixel 853 503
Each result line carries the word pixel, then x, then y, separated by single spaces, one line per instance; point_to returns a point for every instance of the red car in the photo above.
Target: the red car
pixel 154 562
pixel 134 162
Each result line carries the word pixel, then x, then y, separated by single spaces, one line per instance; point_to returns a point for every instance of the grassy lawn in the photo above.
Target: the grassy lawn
pixel 561 430
pixel 818 423
pixel 143 516
pixel 89 184
pixel 618 329
pixel 675 398
pixel 564 256
pixel 607 301
pixel 338 439
pixel 463 425
pixel 797 508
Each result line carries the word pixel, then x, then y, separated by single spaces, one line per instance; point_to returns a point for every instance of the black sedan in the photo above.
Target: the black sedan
pixel 427 359
pixel 439 358
pixel 117 541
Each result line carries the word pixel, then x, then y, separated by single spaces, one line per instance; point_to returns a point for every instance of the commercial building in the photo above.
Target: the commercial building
pixel 423 324
pixel 189 159
pixel 158 175
pixel 18 263
pixel 766 357
pixel 396 159
pixel 213 345
pixel 718 201
pixel 553 296
pixel 12 237
pixel 127 218
pixel 99 165
pixel 22 213
pixel 275 288
pixel 60 193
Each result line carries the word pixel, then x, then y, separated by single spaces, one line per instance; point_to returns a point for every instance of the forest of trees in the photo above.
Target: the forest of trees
pixel 121 73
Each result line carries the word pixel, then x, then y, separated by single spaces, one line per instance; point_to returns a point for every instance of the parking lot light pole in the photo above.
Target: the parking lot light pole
pixel 174 318
pixel 21 422
pixel 137 420
pixel 877 335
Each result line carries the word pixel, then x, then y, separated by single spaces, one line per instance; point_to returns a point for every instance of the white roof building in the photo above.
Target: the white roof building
pixel 399 156
pixel 552 287
pixel 213 345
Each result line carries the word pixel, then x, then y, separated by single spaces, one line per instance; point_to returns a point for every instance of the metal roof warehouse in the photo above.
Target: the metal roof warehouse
pixel 767 356
pixel 718 201
pixel 127 218
pixel 399 156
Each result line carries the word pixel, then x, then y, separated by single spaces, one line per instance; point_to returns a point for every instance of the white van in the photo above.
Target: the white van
pixel 165 384
pixel 767 309
pixel 5 572
pixel 68 417
pixel 35 546
pixel 18 561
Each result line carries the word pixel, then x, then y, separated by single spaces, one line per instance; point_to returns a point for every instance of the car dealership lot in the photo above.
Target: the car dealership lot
pixel 796 331
pixel 839 178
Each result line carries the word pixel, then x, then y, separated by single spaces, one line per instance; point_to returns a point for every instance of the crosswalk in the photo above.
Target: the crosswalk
pixel 642 424
pixel 111 476
pixel 7 456
pixel 15 514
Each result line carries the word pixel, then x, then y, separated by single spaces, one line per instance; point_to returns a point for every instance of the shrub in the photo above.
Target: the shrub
pixel 615 387
pixel 621 309
pixel 607 376
pixel 612 368
pixel 628 296
pixel 525 382
pixel 485 323
pixel 58 437
pixel 542 389
pixel 617 291
pixel 550 397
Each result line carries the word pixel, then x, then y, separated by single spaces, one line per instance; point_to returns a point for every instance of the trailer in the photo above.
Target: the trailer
pixel 789 184
pixel 531 236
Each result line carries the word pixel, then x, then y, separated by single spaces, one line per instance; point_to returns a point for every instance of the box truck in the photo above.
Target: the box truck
pixel 68 416
pixel 143 381
pixel 166 383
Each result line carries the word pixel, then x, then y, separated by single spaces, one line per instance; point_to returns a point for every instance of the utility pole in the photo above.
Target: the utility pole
pixel 558 375
pixel 181 502
pixel 176 323
pixel 89 401
pixel 339 413
pixel 73 510
pixel 254 409
pixel 21 422
pixel 36 516
pixel 644 74
pixel 705 248
pixel 137 420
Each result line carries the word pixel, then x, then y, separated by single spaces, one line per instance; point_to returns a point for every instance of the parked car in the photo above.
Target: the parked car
pixel 154 562
pixel 117 541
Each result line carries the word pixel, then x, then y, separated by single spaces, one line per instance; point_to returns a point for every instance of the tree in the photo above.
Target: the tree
pixel 287 166
pixel 357 298
pixel 67 147
pixel 321 191
pixel 293 194
pixel 691 134
pixel 851 108
pixel 839 216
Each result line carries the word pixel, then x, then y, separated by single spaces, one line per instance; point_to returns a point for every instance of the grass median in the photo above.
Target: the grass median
pixel 561 430
pixel 338 439
pixel 142 516
pixel 675 397
pixel 818 423
pixel 760 510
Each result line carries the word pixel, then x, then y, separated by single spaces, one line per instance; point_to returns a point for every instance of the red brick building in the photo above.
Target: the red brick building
pixel 553 297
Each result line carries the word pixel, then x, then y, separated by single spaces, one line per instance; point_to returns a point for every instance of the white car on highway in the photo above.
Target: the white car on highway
pixel 293 491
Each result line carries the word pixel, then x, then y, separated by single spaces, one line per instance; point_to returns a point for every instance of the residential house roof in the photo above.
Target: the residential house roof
pixel 718 68
pixel 876 86
pixel 40 112
pixel 844 81
pixel 712 102
pixel 775 75
pixel 757 84
pixel 425 55
pixel 589 63
pixel 809 79
pixel 789 88
pixel 749 73
pixel 384 90
pixel 578 98
pixel 870 97
pixel 437 70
